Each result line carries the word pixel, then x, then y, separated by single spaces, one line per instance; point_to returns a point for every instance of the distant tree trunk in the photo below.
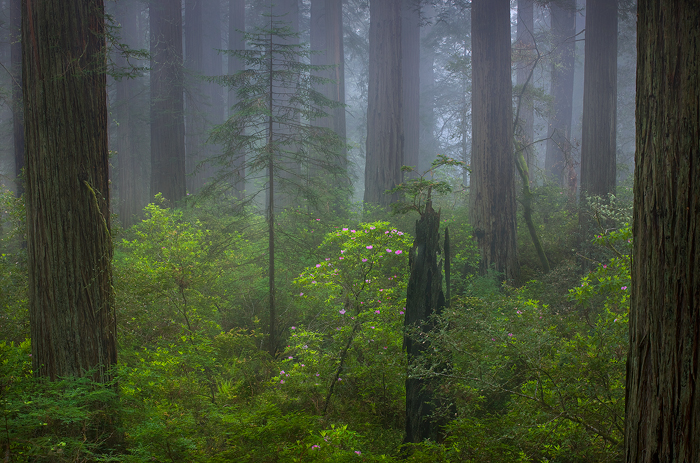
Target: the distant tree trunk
pixel 662 419
pixel 384 103
pixel 213 66
pixel 598 142
pixel 558 162
pixel 410 68
pixel 167 118
pixel 236 42
pixel 130 169
pixel 16 67
pixel 195 108
pixel 424 297
pixel 526 60
pixel 492 196
pixel 69 245
pixel 428 141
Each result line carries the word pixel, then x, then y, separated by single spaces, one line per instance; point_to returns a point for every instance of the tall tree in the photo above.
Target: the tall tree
pixel 130 165
pixel 328 53
pixel 598 139
pixel 16 67
pixel 558 162
pixel 384 103
pixel 428 140
pixel 236 29
pixel 69 244
pixel 410 69
pixel 271 126
pixel 525 62
pixel 662 417
pixel 194 104
pixel 492 193
pixel 167 106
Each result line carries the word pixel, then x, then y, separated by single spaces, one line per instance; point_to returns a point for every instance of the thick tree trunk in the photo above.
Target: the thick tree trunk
pixel 558 162
pixel 69 245
pixel 213 66
pixel 236 41
pixel 492 193
pixel 167 118
pixel 663 390
pixel 598 140
pixel 410 68
pixel 384 103
pixel 130 168
pixel 424 297
pixel 17 116
pixel 526 60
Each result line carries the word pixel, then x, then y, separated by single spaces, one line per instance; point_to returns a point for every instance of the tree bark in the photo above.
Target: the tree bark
pixel 558 162
pixel 424 297
pixel 384 103
pixel 492 190
pixel 429 145
pixel 663 391
pixel 598 139
pixel 130 168
pixel 410 68
pixel 167 106
pixel 69 244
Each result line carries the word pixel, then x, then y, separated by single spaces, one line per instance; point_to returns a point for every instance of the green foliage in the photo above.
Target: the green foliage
pixel 52 421
pixel 14 315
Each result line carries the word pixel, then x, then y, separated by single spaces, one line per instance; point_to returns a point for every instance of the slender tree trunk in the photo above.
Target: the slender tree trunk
pixel 492 190
pixel 662 422
pixel 558 161
pixel 236 42
pixel 167 118
pixel 410 68
pixel 525 61
pixel 384 103
pixel 598 142
pixel 69 245
pixel 130 171
pixel 17 116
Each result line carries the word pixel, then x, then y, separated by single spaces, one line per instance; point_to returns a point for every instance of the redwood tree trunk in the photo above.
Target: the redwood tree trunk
pixel 130 168
pixel 167 116
pixel 492 189
pixel 195 108
pixel 384 103
pixel 410 67
pixel 558 162
pixel 598 139
pixel 17 116
pixel 663 368
pixel 69 244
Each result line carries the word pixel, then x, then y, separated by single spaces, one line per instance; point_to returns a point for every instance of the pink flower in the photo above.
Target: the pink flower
pixel 342 311
pixel 371 228
pixel 364 260
pixel 318 265
pixel 388 250
pixel 281 381
pixel 376 311
pixel 301 294
pixel 345 229
pixel 400 312
pixel 623 288
pixel 369 247
pixel 510 334
pixel 399 251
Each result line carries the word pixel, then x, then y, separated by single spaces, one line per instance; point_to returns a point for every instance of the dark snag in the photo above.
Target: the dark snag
pixel 424 297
